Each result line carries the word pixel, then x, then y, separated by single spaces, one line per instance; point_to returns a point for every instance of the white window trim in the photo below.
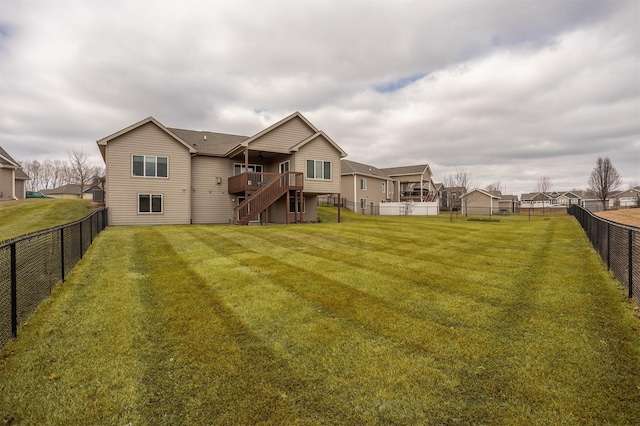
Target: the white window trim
pixel 151 203
pixel 306 172
pixel 144 166
pixel 363 203
pixel 363 184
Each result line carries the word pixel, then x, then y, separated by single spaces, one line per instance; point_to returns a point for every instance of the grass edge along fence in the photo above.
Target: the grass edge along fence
pixel 31 265
pixel 618 246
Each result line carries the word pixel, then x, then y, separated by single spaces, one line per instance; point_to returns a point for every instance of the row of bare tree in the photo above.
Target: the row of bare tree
pixel 50 174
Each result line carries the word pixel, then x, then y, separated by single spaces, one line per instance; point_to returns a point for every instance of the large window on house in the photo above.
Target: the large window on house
pixel 363 184
pixel 150 203
pixel 150 166
pixel 292 205
pixel 319 169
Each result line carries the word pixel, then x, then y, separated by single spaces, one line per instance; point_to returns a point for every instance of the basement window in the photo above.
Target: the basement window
pixel 150 203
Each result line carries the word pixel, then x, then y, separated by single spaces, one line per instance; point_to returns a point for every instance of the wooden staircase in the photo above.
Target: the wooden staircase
pixel 268 193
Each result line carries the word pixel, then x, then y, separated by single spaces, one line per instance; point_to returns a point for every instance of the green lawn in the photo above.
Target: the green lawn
pixel 31 215
pixel 376 320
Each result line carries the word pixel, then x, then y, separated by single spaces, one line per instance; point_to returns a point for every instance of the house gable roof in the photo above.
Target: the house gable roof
pixel 278 124
pixel 299 145
pixel 102 143
pixel 535 196
pixel 71 188
pixel 407 170
pixel 632 192
pixel 6 160
pixel 353 168
pixel 492 194
pixel 316 133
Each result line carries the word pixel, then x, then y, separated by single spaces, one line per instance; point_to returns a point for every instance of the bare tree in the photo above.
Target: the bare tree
pixel 496 187
pixel 543 185
pixel 80 168
pixel 604 180
pixel 461 179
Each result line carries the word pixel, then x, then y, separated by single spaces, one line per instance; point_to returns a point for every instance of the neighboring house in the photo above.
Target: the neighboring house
pixel 569 198
pixel 450 197
pixel 584 199
pixel 413 183
pixel 628 198
pixel 161 175
pixel 363 185
pixel 12 178
pixel 73 191
pixel 536 200
pixel 480 201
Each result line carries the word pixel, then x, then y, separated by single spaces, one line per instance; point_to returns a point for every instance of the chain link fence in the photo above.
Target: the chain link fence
pixel 618 246
pixel 31 265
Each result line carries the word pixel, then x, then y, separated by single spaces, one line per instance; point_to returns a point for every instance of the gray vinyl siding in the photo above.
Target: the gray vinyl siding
pixel 122 188
pixel 283 137
pixel 210 201
pixel 6 184
pixel 319 149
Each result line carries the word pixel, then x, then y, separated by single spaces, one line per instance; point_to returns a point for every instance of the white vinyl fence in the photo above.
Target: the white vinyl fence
pixel 409 209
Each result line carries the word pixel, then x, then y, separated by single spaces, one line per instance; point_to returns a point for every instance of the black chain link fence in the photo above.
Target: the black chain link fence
pixel 618 246
pixel 31 265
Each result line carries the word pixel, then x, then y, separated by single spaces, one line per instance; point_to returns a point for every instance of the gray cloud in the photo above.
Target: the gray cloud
pixel 509 90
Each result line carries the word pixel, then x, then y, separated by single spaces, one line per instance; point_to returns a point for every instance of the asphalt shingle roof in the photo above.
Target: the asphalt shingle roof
pixel 216 144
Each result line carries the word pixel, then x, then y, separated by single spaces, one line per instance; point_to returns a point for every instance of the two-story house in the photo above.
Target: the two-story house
pixel 161 175
pixel 364 185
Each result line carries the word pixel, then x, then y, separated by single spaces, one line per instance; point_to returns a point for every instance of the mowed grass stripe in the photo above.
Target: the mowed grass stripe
pixel 333 345
pixel 80 352
pixel 218 368
pixel 301 325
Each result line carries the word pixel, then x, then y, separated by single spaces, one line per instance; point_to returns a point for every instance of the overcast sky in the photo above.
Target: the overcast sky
pixel 508 90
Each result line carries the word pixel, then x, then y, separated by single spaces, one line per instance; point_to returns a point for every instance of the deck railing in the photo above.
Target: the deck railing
pixel 250 181
pixel 266 194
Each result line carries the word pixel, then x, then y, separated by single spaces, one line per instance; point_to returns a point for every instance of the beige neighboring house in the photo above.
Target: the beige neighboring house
pixel 161 175
pixel 628 198
pixel 72 191
pixel 12 178
pixel 480 201
pixel 364 185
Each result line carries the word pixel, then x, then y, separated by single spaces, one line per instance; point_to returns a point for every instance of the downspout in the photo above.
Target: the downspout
pixel 355 195
pixel 13 184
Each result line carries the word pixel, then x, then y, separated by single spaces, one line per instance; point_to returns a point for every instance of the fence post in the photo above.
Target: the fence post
pixel 608 245
pixel 14 293
pixel 80 225
pixel 630 263
pixel 62 252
